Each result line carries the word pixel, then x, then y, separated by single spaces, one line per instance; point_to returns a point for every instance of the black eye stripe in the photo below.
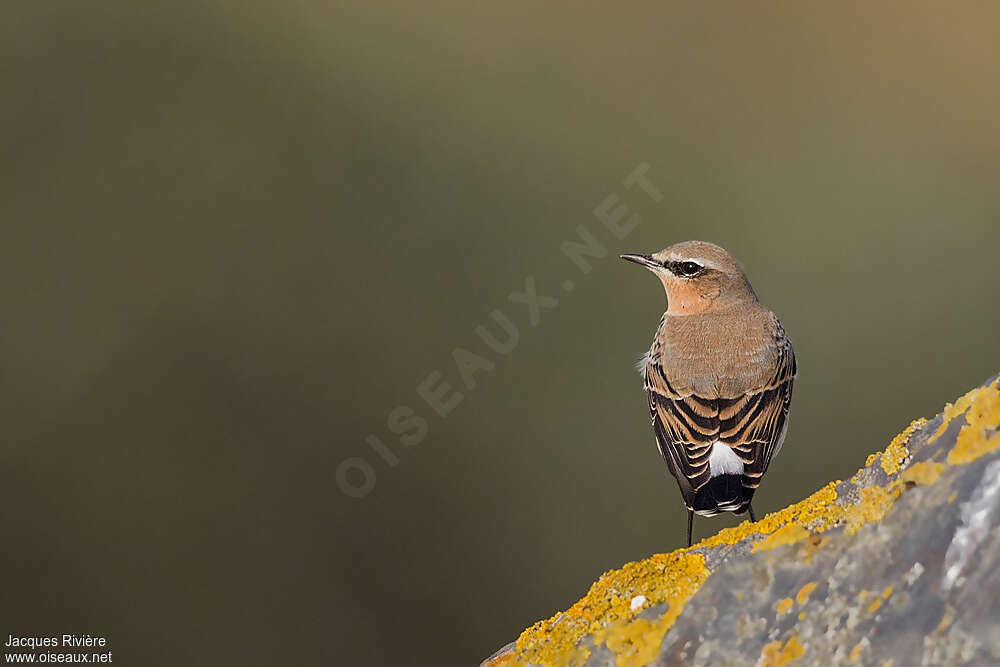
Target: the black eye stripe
pixel 685 269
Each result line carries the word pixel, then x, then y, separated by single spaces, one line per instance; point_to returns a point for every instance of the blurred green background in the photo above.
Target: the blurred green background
pixel 236 235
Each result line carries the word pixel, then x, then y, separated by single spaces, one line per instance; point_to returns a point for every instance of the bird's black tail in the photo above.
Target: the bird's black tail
pixel 722 493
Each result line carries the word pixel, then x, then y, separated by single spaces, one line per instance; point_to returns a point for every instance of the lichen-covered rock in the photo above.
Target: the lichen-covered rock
pixel 900 565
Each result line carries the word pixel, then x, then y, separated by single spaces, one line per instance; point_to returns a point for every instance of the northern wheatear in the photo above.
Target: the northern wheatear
pixel 718 377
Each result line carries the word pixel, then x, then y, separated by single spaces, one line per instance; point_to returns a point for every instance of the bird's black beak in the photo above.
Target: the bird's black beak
pixel 643 260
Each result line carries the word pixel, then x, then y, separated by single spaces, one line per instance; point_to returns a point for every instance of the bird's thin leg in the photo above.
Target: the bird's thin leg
pixel 752 517
pixel 690 524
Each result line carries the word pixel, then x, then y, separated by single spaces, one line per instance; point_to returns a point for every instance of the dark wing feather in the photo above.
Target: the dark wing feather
pixel 687 424
pixel 685 428
pixel 756 430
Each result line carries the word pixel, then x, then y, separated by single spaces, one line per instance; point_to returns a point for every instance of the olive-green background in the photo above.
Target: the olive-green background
pixel 235 235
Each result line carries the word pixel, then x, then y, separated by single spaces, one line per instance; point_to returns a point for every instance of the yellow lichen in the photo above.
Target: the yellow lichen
pixel 578 656
pixel 789 534
pixel 802 616
pixel 946 619
pixel 820 512
pixel 811 547
pixel 875 503
pixel 896 453
pixel 981 433
pixel 923 473
pixel 816 509
pixel 637 642
pixel 855 655
pixel 805 592
pixel 776 655
pixel 605 611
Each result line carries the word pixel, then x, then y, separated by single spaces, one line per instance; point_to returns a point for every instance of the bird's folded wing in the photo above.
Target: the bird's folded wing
pixel 754 425
pixel 687 423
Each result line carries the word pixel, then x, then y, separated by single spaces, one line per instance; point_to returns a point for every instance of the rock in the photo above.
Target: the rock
pixel 900 565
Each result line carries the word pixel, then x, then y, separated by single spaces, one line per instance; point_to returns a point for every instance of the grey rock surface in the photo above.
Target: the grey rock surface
pixel 901 568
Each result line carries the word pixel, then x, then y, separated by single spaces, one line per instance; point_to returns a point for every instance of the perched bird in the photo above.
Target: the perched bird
pixel 718 378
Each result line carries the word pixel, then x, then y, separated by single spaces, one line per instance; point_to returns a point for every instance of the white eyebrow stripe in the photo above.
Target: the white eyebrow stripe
pixel 707 263
pixel 701 261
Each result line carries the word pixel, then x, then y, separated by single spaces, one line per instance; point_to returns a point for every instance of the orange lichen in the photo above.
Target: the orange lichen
pixel 980 434
pixel 663 578
pixel 776 655
pixel 873 607
pixel 784 606
pixel 805 592
pixel 887 592
pixel 802 616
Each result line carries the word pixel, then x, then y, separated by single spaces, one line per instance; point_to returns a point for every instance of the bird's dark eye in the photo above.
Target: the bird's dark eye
pixel 688 268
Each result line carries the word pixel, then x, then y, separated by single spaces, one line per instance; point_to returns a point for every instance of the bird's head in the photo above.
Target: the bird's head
pixel 699 277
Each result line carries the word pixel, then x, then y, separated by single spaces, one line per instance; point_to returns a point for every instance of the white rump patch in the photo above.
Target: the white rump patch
pixel 642 363
pixel 724 461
